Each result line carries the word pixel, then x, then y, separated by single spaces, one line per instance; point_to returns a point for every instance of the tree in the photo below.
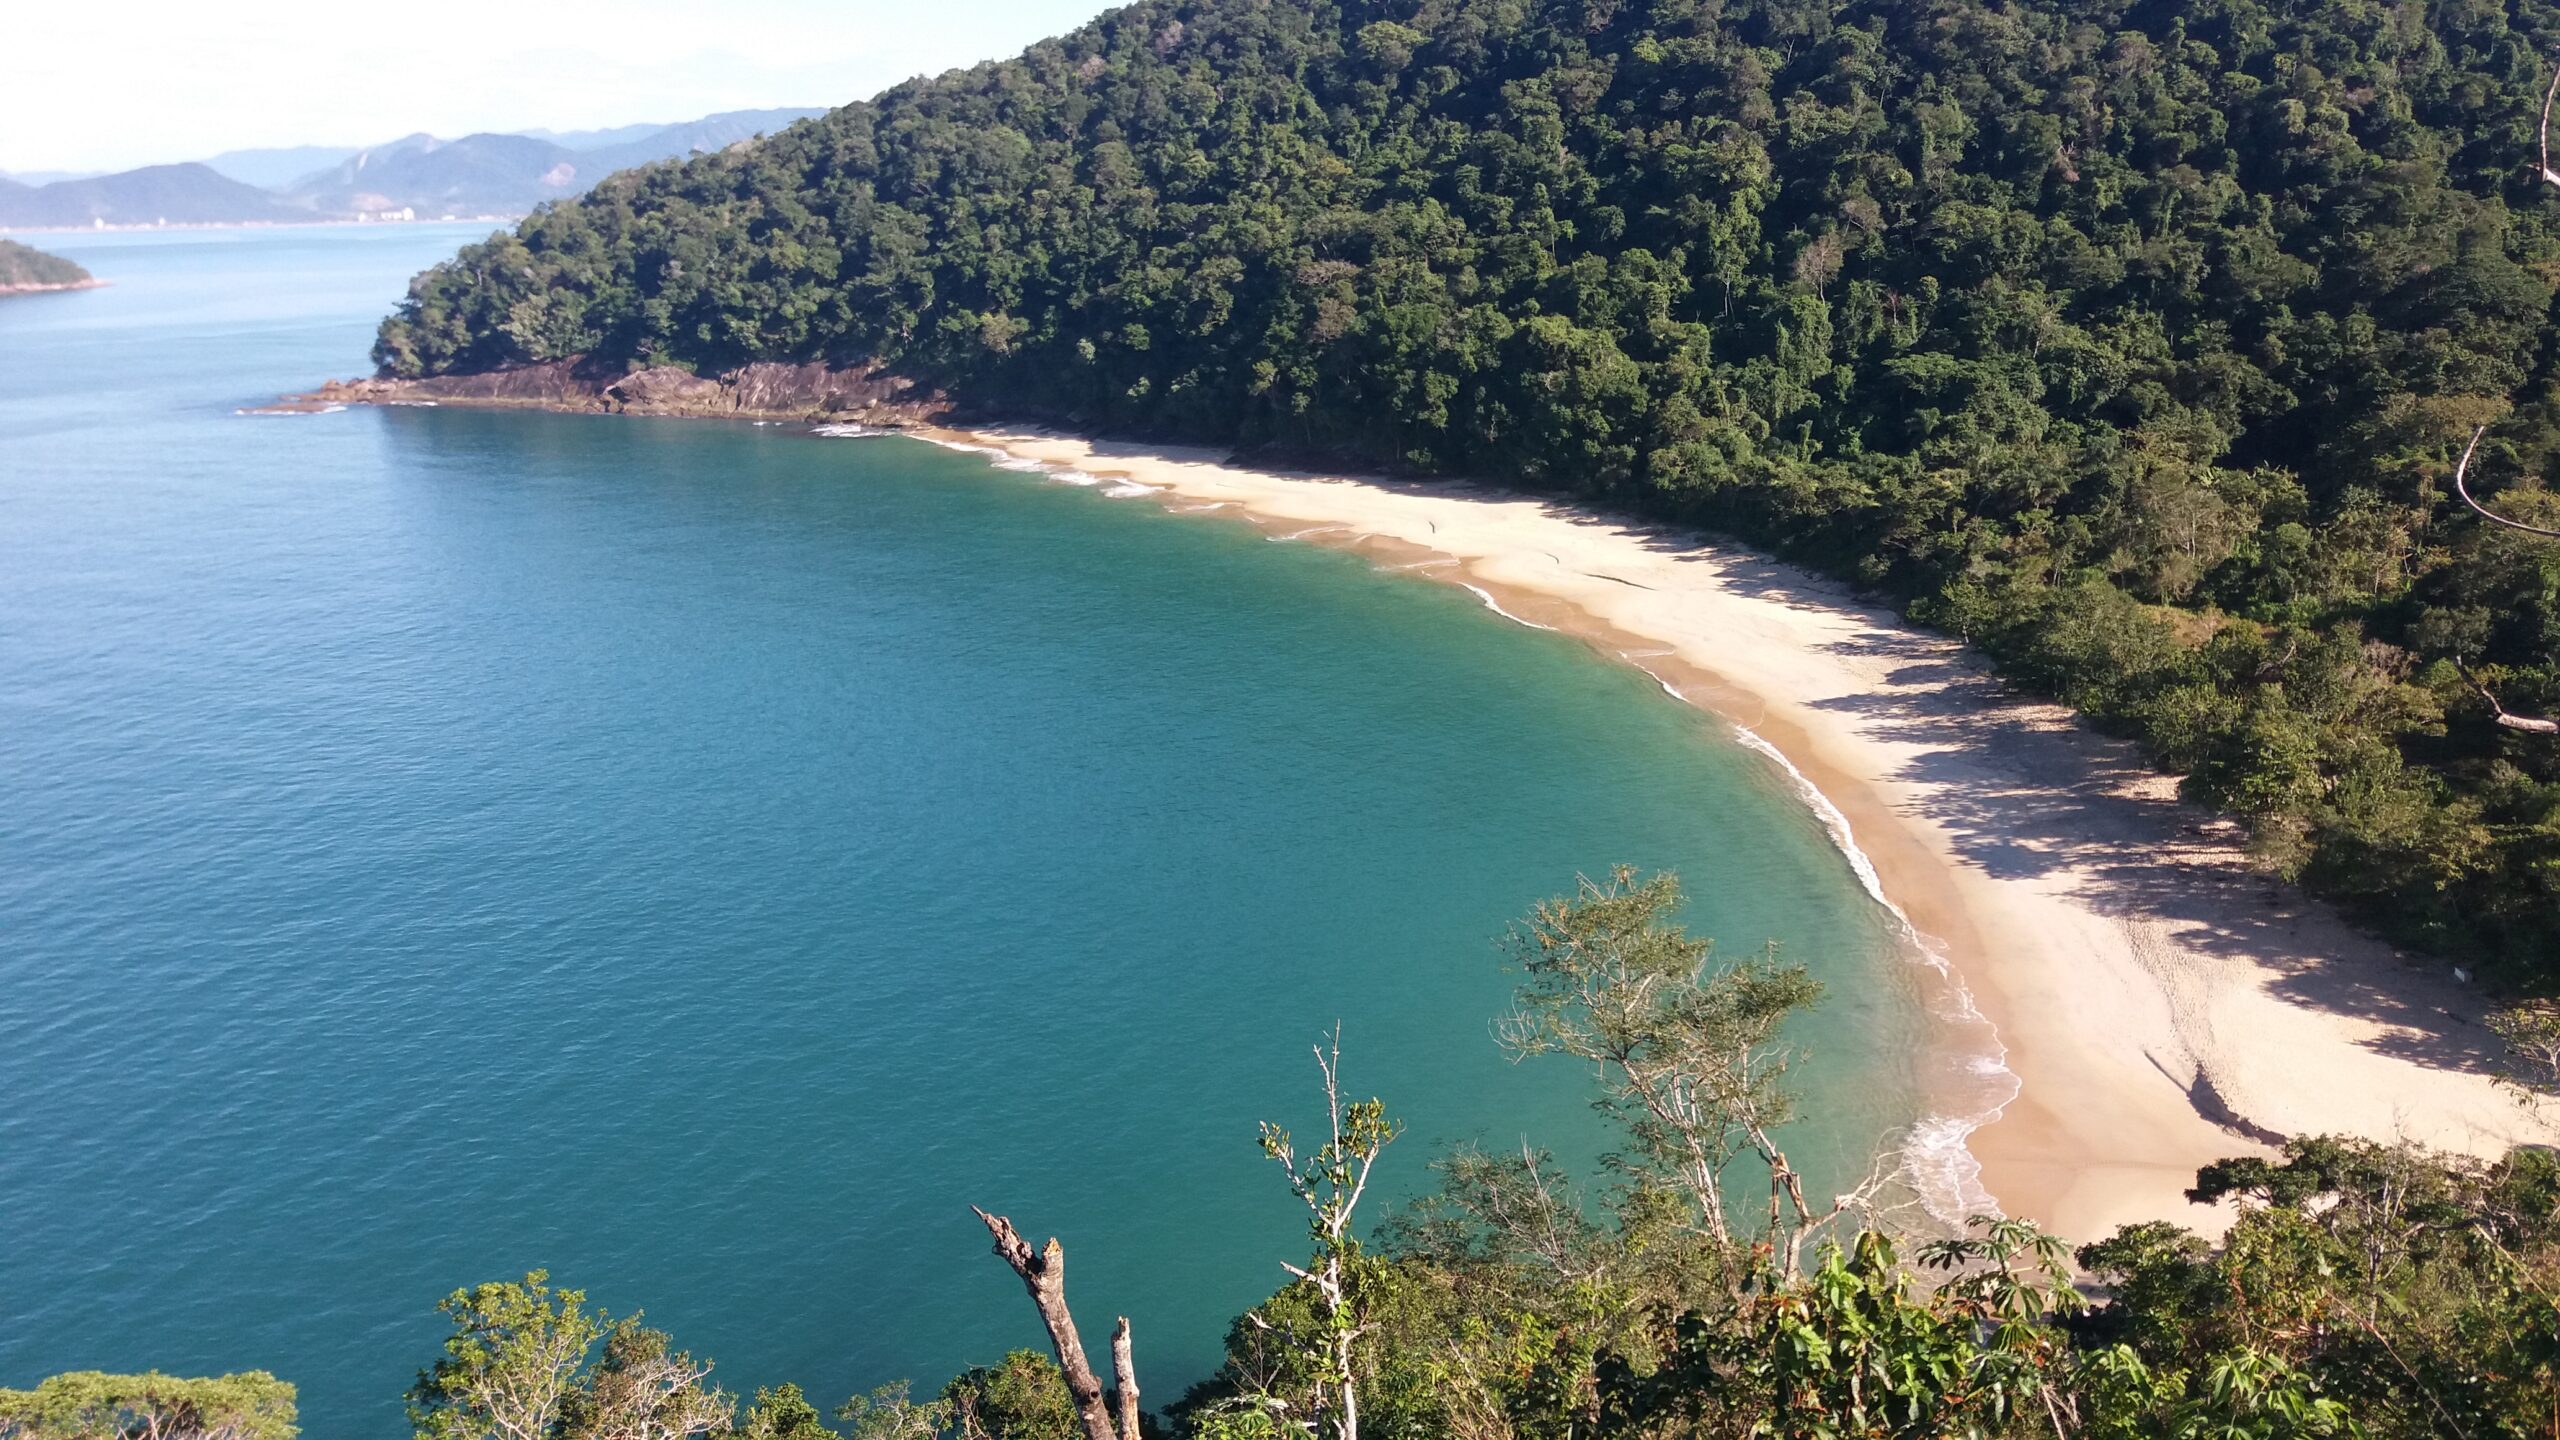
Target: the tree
pixel 517 1368
pixel 1044 1275
pixel 1689 1057
pixel 514 1357
pixel 1022 1398
pixel 90 1405
pixel 783 1413
pixel 1852 1351
pixel 1329 1183
pixel 2531 1031
pixel 643 1388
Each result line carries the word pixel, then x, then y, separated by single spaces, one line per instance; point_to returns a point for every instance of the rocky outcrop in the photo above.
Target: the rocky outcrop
pixel 766 390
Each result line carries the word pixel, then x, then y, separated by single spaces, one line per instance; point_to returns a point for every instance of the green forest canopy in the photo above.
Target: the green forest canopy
pixel 2133 342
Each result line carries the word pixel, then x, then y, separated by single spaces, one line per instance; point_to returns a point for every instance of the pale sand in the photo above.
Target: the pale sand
pixel 2157 1001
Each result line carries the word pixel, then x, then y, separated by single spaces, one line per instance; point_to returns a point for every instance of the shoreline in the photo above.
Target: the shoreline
pixel 2124 998
pixel 92 283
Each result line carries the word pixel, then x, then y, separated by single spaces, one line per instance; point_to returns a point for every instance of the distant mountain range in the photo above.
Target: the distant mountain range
pixel 418 177
pixel 178 194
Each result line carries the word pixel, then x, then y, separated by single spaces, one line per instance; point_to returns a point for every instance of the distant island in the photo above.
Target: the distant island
pixel 25 270
pixel 417 177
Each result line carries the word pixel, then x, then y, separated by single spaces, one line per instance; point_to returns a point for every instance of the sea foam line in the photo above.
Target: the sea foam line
pixel 1940 1162
pixel 1119 487
pixel 1941 1165
pixel 1496 607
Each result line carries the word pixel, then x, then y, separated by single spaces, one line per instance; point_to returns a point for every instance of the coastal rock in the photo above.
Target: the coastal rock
pixel 766 390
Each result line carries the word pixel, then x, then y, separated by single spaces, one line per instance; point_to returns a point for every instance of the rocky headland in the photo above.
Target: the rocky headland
pixel 766 390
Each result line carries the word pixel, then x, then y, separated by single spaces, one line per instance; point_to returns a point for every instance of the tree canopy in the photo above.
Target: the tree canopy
pixel 2135 342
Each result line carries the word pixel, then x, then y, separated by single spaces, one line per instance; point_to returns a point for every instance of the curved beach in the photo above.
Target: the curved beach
pixel 2157 1004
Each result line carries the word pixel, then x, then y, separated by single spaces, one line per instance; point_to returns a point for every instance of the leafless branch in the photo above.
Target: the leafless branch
pixel 1044 1275
pixel 2462 469
pixel 1124 1379
pixel 2547 97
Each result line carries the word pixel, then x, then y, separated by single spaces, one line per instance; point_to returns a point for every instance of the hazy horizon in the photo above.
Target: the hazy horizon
pixel 188 83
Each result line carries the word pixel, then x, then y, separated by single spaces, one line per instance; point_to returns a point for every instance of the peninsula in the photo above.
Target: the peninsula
pixel 25 270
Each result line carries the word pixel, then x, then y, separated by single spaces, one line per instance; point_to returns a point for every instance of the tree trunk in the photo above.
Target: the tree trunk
pixel 1044 1274
pixel 1124 1379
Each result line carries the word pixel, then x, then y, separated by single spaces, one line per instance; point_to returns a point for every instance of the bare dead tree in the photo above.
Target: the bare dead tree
pixel 2530 724
pixel 1044 1275
pixel 1124 1378
pixel 2547 97
pixel 2462 475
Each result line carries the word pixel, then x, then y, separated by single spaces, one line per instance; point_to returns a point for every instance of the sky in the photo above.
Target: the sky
pixel 108 85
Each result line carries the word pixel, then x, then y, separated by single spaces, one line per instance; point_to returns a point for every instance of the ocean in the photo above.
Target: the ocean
pixel 703 859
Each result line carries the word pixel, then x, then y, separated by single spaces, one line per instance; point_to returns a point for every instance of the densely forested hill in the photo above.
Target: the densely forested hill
pixel 24 267
pixel 2134 342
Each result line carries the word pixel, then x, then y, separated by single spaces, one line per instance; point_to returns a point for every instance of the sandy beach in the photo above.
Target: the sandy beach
pixel 2156 1003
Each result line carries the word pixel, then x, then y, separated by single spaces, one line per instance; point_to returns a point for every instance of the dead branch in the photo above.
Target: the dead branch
pixel 1124 1379
pixel 2529 723
pixel 2462 468
pixel 2547 96
pixel 1044 1275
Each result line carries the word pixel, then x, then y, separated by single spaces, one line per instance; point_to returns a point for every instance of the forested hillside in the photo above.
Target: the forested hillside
pixel 2133 342
pixel 24 267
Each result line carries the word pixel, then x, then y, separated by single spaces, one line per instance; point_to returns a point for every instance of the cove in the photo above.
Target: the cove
pixel 703 859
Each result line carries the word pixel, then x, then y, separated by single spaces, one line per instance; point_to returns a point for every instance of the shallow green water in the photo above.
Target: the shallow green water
pixel 703 859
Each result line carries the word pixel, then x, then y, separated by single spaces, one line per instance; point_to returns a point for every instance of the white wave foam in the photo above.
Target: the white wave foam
pixel 1003 459
pixel 1496 607
pixel 1936 1155
pixel 846 431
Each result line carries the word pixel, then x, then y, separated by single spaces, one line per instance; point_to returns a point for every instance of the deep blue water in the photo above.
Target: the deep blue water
pixel 703 859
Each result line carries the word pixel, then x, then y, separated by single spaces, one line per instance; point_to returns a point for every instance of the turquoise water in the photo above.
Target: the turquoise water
pixel 703 859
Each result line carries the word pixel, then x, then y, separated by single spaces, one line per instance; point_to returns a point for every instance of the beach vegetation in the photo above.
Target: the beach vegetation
pixel 2362 1289
pixel 2134 343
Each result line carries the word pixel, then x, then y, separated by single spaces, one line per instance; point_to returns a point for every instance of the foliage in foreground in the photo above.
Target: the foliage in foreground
pixel 88 1405
pixel 2132 341
pixel 2364 1290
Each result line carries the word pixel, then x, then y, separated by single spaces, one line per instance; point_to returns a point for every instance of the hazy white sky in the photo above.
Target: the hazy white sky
pixel 106 84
